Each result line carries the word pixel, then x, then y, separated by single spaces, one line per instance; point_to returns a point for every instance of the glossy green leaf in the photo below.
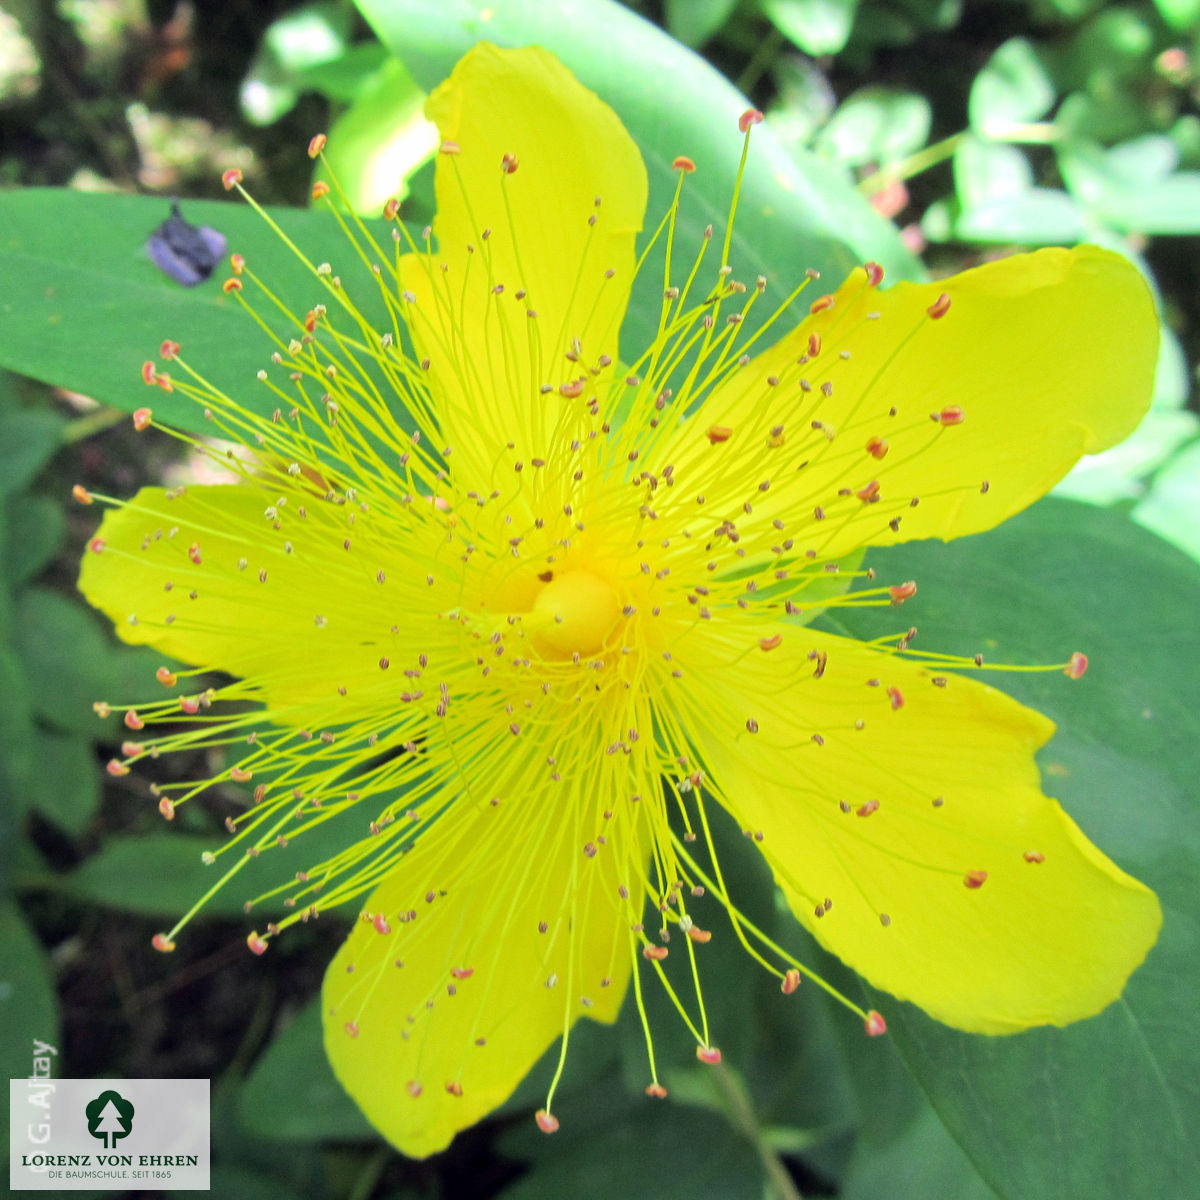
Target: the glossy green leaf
pixel 17 761
pixel 291 1092
pixel 87 321
pixel 876 125
pixel 794 213
pixel 816 26
pixel 1014 87
pixel 28 1004
pixel 1105 1107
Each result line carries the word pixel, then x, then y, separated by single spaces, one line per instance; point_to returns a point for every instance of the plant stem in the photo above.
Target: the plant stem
pixel 741 1112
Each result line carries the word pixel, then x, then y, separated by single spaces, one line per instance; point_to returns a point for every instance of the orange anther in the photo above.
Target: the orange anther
pixel 821 304
pixel 870 493
pixel 462 972
pixel 454 1088
pixel 708 1054
pixel 161 942
pixel 546 1122
pixel 874 1024
pixel 258 945
pixel 572 390
pixel 390 209
pixel 770 643
pixel 133 721
pixel 683 163
pixel 1077 664
pixel 814 344
pixel 81 494
pixel 874 273
pixel 381 923
pixel 951 415
pixel 877 447
pixel 164 381
pixel 190 705
pixel 657 953
pixel 940 307
pixel 231 285
pixel 167 808
pixel 750 117
pixel 165 677
pixel 791 981
pixel 231 178
pixel 448 147
pixel 116 767
pixel 237 263
pixel 149 373
pixel 657 1091
pixel 351 1027
pixel 194 553
pixel 509 164
pixel 865 810
pixel 240 775
pixel 896 696
pixel 320 189
pixel 903 591
pixel 317 145
pixel 169 350
pixel 1034 856
pixel 310 320
pixel 132 749
pixel 97 545
pixel 719 433
pixel 975 879
pixel 701 936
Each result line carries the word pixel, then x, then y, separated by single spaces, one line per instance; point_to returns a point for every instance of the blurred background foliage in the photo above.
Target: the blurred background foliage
pixel 928 134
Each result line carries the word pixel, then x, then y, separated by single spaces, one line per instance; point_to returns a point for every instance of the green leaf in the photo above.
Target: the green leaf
pixel 609 1147
pixel 816 26
pixel 925 1161
pixel 112 307
pixel 876 125
pixel 1013 88
pixel 28 437
pixel 306 37
pixel 693 22
pixel 65 657
pixel 17 762
pixel 65 784
pixel 28 1004
pixel 1179 14
pixel 36 529
pixel 1128 188
pixel 1106 1107
pixel 795 212
pixel 380 140
pixel 1171 507
pixel 291 1091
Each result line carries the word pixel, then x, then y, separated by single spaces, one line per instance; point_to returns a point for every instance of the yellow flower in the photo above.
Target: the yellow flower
pixel 536 634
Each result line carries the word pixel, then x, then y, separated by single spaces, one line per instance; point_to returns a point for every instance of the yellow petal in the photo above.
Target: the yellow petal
pixel 284 594
pixel 556 235
pixel 436 1013
pixel 891 821
pixel 1048 356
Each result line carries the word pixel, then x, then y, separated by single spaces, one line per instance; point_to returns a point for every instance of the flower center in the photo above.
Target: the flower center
pixel 573 614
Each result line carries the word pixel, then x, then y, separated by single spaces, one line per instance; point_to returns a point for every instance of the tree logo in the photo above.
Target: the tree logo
pixel 109 1118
